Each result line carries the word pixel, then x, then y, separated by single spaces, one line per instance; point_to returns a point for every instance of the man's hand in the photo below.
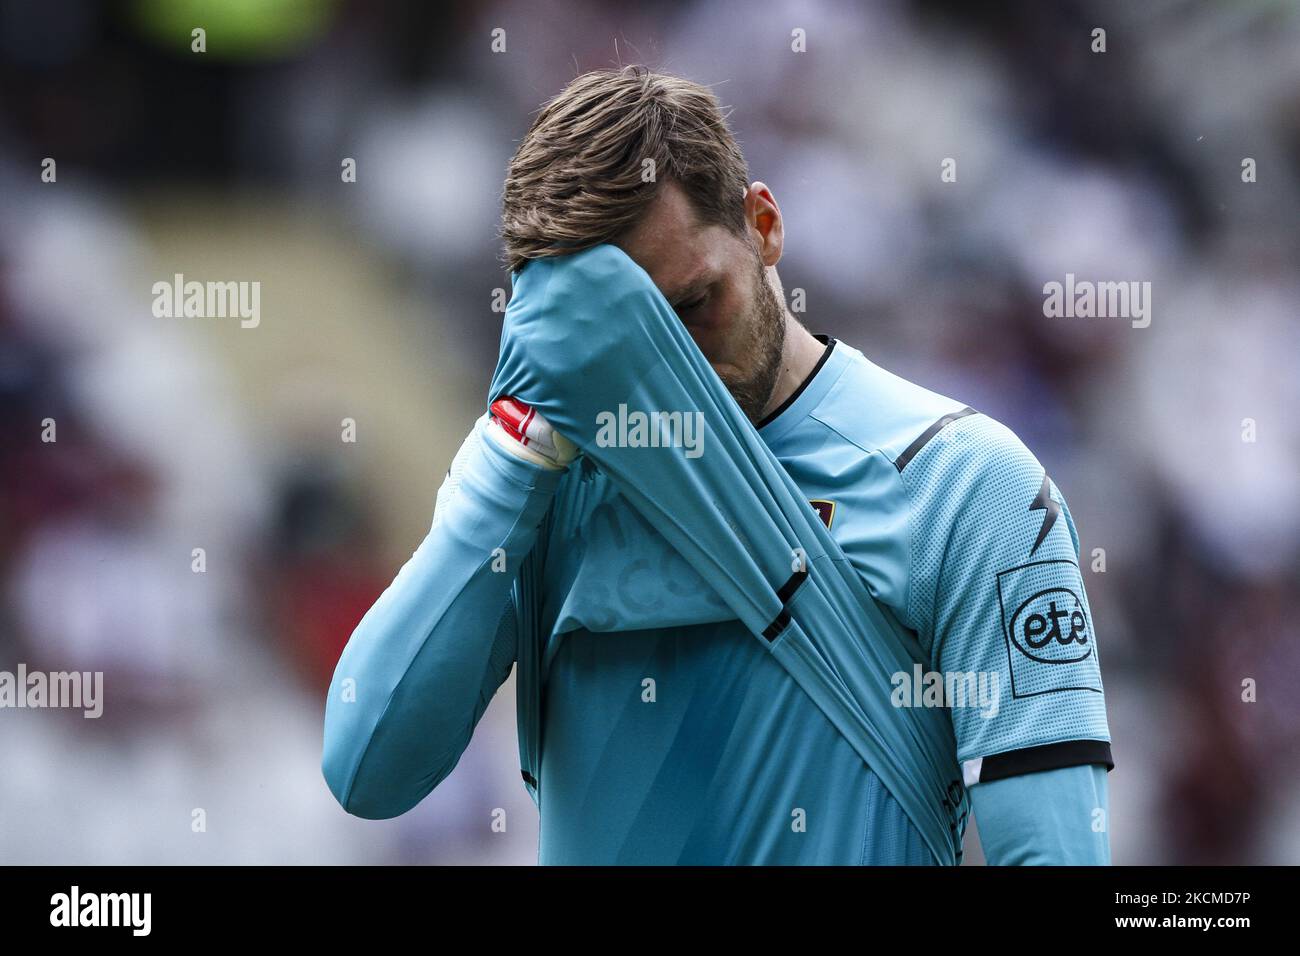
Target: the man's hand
pixel 522 431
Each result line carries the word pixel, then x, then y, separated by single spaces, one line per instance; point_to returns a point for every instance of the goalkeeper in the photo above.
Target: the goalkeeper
pixel 656 726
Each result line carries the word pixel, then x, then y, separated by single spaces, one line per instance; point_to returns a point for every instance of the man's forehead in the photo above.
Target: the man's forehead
pixel 669 242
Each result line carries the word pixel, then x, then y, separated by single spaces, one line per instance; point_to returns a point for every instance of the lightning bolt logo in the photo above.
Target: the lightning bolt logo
pixel 1043 502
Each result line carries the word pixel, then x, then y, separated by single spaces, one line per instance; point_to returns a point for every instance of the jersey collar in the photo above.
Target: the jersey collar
pixel 809 394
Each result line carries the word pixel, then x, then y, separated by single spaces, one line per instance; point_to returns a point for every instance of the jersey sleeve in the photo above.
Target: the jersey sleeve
pixel 1067 828
pixel 423 664
pixel 997 598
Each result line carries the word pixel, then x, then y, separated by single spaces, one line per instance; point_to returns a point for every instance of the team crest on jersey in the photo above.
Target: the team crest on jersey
pixel 825 510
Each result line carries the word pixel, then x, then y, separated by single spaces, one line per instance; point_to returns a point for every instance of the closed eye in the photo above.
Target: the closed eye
pixel 685 307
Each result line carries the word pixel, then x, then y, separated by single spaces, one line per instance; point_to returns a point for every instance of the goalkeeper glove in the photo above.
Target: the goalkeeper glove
pixel 521 430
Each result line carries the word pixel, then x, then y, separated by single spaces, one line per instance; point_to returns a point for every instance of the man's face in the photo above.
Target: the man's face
pixel 716 281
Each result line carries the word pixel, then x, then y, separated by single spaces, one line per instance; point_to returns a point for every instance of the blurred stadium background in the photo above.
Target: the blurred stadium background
pixel 376 306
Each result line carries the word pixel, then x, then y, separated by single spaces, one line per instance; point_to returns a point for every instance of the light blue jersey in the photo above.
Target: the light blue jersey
pixel 669 725
pixel 656 727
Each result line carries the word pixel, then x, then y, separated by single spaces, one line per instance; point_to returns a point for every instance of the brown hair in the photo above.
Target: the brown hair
pixel 576 179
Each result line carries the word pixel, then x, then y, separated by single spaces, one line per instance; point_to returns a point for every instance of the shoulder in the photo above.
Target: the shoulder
pixel 948 464
pixel 916 429
pixel 883 413
pixel 970 456
pixel 970 485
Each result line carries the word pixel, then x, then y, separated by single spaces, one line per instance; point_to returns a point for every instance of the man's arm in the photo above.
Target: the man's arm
pixel 1050 818
pixel 421 667
pixel 998 599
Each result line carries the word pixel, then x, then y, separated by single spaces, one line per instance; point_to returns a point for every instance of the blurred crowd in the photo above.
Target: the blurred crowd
pixel 184 507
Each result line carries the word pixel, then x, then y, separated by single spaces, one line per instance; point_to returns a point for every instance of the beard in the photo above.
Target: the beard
pixel 751 386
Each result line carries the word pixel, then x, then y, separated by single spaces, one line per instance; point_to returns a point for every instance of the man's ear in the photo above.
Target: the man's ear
pixel 763 217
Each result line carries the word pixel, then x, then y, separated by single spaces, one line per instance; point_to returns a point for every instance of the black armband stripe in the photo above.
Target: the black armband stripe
pixel 786 591
pixel 783 594
pixel 1013 763
pixel 923 439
